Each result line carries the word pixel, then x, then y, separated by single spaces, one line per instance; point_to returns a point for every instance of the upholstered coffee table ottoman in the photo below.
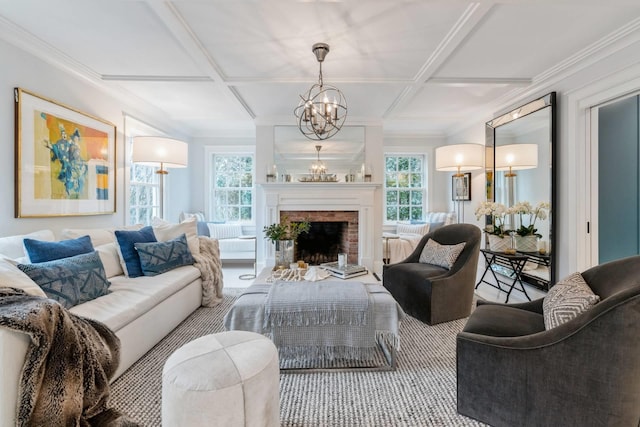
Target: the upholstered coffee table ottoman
pixel 225 379
pixel 380 332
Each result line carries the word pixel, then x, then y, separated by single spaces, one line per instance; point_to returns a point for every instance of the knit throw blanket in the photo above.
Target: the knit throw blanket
pixel 320 320
pixel 210 266
pixel 69 361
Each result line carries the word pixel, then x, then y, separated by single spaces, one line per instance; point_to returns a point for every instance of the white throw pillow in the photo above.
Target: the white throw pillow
pixel 441 255
pixel 225 231
pixel 13 246
pixel 566 300
pixel 110 259
pixel 420 229
pixel 12 277
pixel 165 230
pixel 99 236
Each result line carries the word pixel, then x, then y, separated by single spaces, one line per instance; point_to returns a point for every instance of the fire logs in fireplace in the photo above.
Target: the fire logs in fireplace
pixel 323 242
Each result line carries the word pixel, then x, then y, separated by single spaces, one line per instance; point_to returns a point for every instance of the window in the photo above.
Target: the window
pixel 232 187
pixel 404 187
pixel 144 194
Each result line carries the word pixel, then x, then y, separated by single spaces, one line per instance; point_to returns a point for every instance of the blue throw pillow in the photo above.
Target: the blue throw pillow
pixel 43 251
pixel 128 255
pixel 157 258
pixel 203 229
pixel 70 281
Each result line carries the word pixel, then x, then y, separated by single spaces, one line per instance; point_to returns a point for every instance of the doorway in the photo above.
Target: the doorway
pixel 615 183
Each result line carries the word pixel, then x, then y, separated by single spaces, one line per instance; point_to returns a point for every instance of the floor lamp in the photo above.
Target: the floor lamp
pixel 510 158
pixel 459 158
pixel 162 153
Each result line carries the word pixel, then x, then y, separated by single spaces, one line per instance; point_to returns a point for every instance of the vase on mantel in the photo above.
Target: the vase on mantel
pixel 527 243
pixel 499 244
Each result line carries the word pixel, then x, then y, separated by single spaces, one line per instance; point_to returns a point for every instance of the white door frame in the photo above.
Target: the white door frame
pixel 582 151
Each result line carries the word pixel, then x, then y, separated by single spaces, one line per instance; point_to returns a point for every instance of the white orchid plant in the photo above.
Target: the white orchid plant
pixel 529 215
pixel 497 212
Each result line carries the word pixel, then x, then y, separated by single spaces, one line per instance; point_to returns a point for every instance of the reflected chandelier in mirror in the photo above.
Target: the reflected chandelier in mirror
pixel 341 156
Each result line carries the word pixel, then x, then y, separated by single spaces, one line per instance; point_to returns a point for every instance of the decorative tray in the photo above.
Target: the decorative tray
pixel 318 178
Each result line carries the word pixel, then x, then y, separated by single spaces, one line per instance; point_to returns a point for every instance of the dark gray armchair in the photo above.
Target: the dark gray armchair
pixel 585 372
pixel 434 294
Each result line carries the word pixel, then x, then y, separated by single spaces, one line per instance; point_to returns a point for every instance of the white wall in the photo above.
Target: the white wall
pixel 21 69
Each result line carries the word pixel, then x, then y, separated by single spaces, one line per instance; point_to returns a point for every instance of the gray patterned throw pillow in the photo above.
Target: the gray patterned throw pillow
pixel 441 255
pixel 157 258
pixel 70 281
pixel 566 300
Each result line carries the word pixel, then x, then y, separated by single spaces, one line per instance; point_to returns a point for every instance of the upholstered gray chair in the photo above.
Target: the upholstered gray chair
pixel 431 293
pixel 585 372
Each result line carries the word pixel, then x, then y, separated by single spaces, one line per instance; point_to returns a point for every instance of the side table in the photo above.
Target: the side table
pixel 514 262
pixel 386 256
pixel 249 276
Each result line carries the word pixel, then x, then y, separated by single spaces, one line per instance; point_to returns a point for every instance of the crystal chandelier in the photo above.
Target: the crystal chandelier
pixel 323 108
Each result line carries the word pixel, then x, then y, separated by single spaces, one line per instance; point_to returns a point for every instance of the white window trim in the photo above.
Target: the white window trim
pixel 405 151
pixel 240 150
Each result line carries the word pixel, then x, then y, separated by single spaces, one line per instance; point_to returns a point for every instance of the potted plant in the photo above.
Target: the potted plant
pixel 284 235
pixel 527 234
pixel 498 237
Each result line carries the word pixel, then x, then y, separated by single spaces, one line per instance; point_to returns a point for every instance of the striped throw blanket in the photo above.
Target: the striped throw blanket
pixel 320 320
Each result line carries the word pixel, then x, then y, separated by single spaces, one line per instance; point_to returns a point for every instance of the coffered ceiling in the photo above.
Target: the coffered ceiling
pixel 219 66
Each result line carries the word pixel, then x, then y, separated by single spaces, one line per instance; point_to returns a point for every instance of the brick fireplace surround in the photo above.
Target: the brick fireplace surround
pixel 330 201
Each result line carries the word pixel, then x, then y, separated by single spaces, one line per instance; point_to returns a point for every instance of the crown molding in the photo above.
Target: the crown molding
pixel 26 41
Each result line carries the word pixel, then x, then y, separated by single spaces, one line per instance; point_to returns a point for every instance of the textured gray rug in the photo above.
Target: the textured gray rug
pixel 421 392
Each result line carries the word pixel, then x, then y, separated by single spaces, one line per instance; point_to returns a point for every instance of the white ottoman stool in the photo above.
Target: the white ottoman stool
pixel 226 379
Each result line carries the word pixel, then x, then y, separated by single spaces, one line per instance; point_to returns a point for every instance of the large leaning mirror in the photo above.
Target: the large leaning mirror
pixel 520 169
pixel 295 155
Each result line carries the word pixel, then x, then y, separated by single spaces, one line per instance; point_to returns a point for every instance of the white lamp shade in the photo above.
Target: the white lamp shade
pixel 463 157
pixel 155 150
pixel 516 157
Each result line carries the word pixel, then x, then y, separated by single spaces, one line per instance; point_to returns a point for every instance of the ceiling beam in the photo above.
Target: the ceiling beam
pixel 467 22
pixel 177 25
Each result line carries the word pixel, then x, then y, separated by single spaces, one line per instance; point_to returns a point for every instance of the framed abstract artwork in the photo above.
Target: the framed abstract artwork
pixel 65 160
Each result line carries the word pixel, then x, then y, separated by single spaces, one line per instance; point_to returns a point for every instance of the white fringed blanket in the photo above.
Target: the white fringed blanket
pixel 320 320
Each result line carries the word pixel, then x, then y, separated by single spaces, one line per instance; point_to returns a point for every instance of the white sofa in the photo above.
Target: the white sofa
pixel 141 311
pixel 233 244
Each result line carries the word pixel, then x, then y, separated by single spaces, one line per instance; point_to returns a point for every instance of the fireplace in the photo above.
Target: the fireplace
pixel 350 203
pixel 331 232
pixel 322 243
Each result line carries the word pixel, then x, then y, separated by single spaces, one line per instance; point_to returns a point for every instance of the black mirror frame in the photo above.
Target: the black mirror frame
pixel 548 100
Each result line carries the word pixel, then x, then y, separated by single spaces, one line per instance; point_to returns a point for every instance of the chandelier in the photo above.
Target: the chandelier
pixel 323 108
pixel 318 169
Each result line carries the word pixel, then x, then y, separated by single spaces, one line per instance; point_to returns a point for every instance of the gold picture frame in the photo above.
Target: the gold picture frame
pixel 65 160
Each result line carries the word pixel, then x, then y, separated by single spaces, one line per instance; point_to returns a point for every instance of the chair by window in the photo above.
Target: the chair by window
pixel 431 293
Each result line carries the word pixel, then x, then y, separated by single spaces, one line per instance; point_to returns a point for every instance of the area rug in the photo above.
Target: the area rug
pixel 421 392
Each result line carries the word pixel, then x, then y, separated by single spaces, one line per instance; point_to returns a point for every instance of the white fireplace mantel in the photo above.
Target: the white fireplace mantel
pixel 326 196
